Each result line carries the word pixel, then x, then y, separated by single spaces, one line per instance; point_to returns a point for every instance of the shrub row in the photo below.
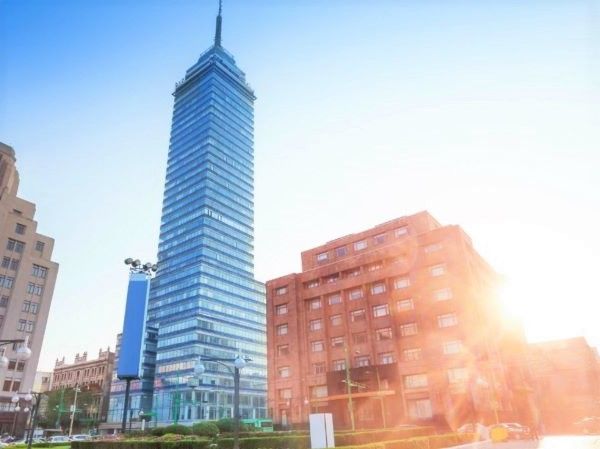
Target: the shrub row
pixel 371 436
pixel 293 442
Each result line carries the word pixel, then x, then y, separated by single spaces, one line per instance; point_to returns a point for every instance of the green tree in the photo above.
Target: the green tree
pixel 57 410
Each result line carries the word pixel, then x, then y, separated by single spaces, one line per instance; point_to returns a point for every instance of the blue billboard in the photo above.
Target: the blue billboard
pixel 134 327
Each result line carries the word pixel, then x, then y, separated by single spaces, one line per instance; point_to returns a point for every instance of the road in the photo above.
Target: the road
pixel 551 442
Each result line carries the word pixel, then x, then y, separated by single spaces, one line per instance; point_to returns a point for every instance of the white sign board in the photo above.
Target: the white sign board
pixel 321 430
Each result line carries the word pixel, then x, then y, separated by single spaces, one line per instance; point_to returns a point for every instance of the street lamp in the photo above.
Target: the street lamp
pixel 238 364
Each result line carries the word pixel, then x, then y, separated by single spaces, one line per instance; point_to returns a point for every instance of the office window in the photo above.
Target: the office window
pixel 358 315
pixel 360 245
pixel 315 325
pixel 314 304
pixel 420 409
pixel 26 306
pixel 443 294
pixel 335 298
pixel 402 282
pixel 362 360
pixel 34 289
pixel 6 281
pixel 5 262
pixel 337 342
pixel 408 329
pixel 452 347
pixel 285 393
pixel 359 338
pixel 4 301
pixel 356 293
pixel 433 248
pixel 415 381
pixel 402 231
pixel 281 290
pixel 412 354
pixel 317 346
pixel 375 266
pixel 312 284
pixel 283 350
pixel 378 288
pixel 447 320
pixel 14 265
pixel 282 329
pixel 281 309
pixel 437 270
pixel 386 358
pixel 284 371
pixel 322 257
pixel 15 245
pixel 331 279
pixel 336 320
pixel 319 368
pixel 341 251
pixel 39 246
pixel 21 325
pixel 458 375
pixel 403 305
pixel 319 391
pixel 384 333
pixel 379 239
pixel 338 365
pixel 381 310
pixel 20 229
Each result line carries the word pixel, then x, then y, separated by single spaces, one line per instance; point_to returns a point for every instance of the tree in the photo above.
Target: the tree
pixel 57 410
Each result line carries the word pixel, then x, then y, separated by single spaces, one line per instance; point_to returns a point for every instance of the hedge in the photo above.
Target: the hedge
pixel 371 436
pixel 295 442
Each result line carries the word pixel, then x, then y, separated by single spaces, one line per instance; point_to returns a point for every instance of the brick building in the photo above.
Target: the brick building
pixel 89 375
pixel 404 313
pixel 567 382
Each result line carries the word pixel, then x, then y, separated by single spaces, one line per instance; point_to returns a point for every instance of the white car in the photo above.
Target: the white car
pixel 81 437
pixel 58 439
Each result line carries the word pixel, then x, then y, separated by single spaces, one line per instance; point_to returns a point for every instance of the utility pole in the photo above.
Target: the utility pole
pixel 77 390
pixel 349 388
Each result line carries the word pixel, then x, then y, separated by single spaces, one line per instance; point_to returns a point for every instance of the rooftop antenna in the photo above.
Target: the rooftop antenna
pixel 218 30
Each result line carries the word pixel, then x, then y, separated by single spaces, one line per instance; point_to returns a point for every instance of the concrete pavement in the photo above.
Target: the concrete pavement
pixel 550 442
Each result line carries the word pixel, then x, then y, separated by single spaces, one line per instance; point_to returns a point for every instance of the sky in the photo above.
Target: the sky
pixel 484 113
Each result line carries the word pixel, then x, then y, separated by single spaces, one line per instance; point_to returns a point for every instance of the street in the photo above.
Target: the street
pixel 551 442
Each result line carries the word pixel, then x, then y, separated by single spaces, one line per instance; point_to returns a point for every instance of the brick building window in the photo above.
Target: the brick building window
pixel 403 305
pixel 337 342
pixel 318 391
pixel 341 251
pixel 375 266
pixel 384 333
pixel 336 320
pixel 321 257
pixel 285 393
pixel 315 325
pixel 359 338
pixel 402 282
pixel 283 350
pixel 358 315
pixel 412 354
pixel 312 284
pixel 317 346
pixel 379 239
pixel 377 288
pixel 386 358
pixel 419 409
pixel 335 298
pixel 332 279
pixel 452 347
pixel 401 231
pixel 282 329
pixel 284 371
pixel 407 329
pixel 338 365
pixel 437 270
pixel 362 360
pixel 356 293
pixel 443 294
pixel 381 310
pixel 281 309
pixel 360 245
pixel 319 368
pixel 281 290
pixel 434 247
pixel 314 304
pixel 458 375
pixel 415 381
pixel 447 320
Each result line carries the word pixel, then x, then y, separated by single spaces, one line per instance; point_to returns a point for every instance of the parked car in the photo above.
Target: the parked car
pixel 58 439
pixel 515 431
pixel 81 437
pixel 589 425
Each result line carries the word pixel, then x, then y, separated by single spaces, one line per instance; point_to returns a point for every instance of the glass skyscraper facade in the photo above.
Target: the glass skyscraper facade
pixel 204 299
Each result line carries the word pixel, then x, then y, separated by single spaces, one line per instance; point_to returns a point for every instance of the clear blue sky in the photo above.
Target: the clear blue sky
pixel 484 113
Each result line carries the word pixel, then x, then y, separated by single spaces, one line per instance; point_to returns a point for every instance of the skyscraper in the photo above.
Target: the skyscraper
pixel 204 299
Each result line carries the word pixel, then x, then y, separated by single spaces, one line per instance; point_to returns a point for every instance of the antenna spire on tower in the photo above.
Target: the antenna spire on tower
pixel 218 30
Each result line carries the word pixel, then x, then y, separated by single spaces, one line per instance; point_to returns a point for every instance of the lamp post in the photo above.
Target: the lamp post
pixel 238 363
pixel 22 352
pixel 73 409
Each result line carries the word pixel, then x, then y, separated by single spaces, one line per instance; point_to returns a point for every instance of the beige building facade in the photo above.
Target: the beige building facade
pixel 27 278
